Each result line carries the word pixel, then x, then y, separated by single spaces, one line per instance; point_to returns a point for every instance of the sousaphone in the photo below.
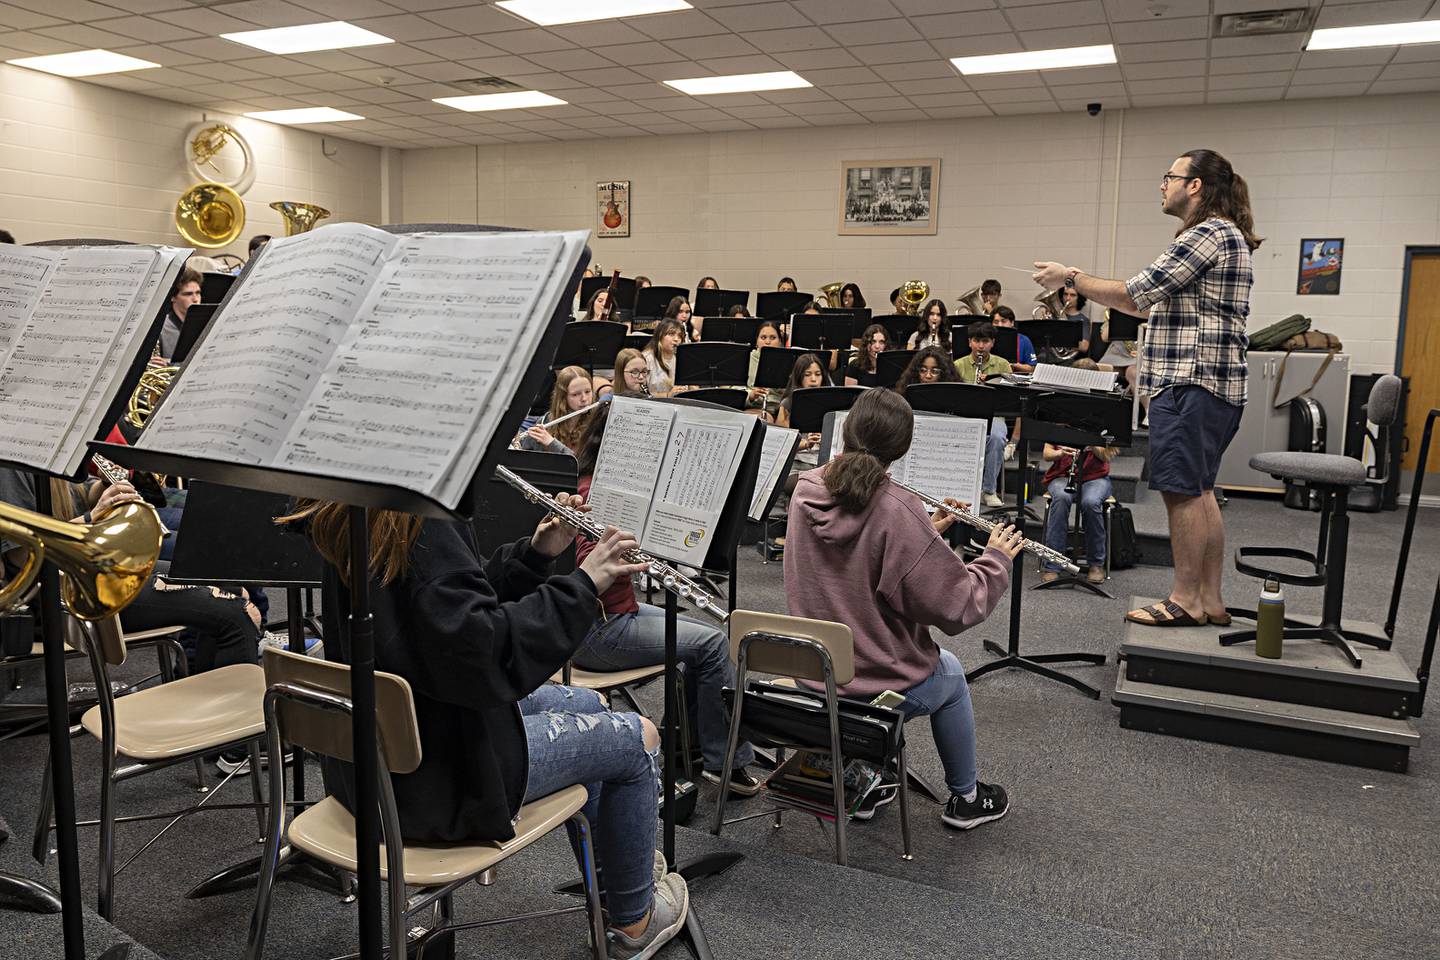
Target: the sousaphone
pixel 299 217
pixel 210 215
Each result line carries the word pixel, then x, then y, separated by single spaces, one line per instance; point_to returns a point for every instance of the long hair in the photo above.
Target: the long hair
pixel 797 375
pixel 64 504
pixel 587 452
pixel 773 326
pixel 854 289
pixel 687 326
pixel 877 432
pixel 622 360
pixel 392 535
pixel 922 329
pixel 863 360
pixel 609 305
pixel 948 373
pixel 1223 193
pixel 668 325
pixel 571 431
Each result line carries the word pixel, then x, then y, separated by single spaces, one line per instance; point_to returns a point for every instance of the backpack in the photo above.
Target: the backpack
pixel 1123 552
pixel 1271 337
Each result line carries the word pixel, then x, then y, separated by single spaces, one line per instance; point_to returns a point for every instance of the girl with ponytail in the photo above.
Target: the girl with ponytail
pixel 863 552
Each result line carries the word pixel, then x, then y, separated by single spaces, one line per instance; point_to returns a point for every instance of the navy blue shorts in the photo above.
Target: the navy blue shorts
pixel 1190 428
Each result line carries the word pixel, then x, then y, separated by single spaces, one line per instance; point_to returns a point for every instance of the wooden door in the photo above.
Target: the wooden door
pixel 1421 358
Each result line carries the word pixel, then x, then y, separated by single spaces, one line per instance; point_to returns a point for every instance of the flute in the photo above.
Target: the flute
pixel 113 474
pixel 1032 547
pixel 574 413
pixel 666 575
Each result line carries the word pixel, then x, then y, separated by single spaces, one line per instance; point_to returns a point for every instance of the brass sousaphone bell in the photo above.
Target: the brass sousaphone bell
pixel 970 300
pixel 913 293
pixel 210 215
pixel 831 293
pixel 299 217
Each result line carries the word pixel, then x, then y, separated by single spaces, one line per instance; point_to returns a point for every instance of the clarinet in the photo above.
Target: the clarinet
pixel 1072 482
pixel 663 573
pixel 1032 547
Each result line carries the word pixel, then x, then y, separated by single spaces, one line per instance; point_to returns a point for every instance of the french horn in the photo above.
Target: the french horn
pixel 299 217
pixel 210 215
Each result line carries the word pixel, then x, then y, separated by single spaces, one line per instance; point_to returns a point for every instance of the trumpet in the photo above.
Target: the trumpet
pixel 1032 547
pixel 663 573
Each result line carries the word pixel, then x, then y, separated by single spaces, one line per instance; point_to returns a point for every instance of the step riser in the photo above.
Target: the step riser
pixel 1373 701
pixel 1154 551
pixel 1257 736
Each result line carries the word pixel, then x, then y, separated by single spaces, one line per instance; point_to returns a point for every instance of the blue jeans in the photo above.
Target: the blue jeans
pixel 994 455
pixel 572 739
pixel 945 696
pixel 638 640
pixel 1092 518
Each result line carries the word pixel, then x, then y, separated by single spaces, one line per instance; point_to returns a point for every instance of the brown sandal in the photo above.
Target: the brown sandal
pixel 1177 616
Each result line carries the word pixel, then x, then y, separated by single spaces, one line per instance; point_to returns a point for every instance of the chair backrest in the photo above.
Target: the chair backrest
pixel 306 723
pixel 792 660
pixel 1383 406
pixel 106 635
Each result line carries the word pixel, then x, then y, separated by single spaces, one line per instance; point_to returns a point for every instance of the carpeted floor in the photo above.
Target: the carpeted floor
pixel 1119 844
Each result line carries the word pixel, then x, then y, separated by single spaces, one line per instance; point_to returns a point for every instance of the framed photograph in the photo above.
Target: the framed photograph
pixel 1320 262
pixel 612 208
pixel 889 198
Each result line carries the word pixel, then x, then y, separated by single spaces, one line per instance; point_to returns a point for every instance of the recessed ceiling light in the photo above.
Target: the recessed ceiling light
pixel 1376 35
pixel 309 37
pixel 84 63
pixel 548 13
pixel 518 100
pixel 305 115
pixel 740 83
pixel 1037 60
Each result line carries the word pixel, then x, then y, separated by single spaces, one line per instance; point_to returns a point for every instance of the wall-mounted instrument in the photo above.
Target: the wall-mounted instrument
pixel 913 293
pixel 210 215
pixel 210 154
pixel 299 217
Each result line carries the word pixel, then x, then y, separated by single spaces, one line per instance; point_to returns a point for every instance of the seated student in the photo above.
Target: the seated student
pixel 851 297
pixel 863 552
pixel 477 640
pixel 660 356
pixel 786 285
pixel 679 309
pixel 183 293
pixel 933 329
pixel 1122 355
pixel 600 306
pixel 1024 350
pixel 990 296
pixel 572 392
pixel 929 365
pixel 862 370
pixel 632 376
pixel 897 301
pixel 807 372
pixel 977 365
pixel 1094 489
pixel 763 399
pixel 631 634
pixel 737 310
pixel 1074 303
pixel 708 283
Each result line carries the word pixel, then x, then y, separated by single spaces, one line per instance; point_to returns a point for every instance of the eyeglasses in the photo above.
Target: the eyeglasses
pixel 1174 176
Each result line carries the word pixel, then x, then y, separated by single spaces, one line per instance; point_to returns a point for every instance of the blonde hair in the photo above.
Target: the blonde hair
pixel 572 431
pixel 392 535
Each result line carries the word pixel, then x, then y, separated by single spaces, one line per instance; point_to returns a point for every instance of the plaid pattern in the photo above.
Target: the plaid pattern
pixel 1198 292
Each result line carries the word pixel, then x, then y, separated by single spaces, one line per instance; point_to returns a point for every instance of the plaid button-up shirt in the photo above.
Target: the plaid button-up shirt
pixel 1198 292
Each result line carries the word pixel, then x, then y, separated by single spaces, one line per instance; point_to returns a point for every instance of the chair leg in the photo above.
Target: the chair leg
pixel 731 744
pixel 779 810
pixel 269 862
pixel 106 854
pixel 593 912
pixel 40 846
pixel 253 748
pixel 837 780
pixel 904 778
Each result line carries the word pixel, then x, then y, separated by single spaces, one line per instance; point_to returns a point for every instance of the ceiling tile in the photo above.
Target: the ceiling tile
pixel 977 46
pixel 698 48
pixel 1372 11
pixel 33 43
pixel 817 59
pixel 1171 85
pixel 526 42
pixel 84 35
pixel 950 113
pixel 1161 29
pixel 1346 58
pixel 153 29
pixel 1299 91
pixel 1054 16
pixel 405 27
pixel 1405 86
pixel 1335 75
pixel 1412 71
pixel 916 70
pixel 1093 35
pixel 1016 109
pixel 954 99
pixel 574 59
pixel 783 41
pixel 213 48
pixel 684 23
pixel 348 9
pixel 605 33
pixel 463 48
pixel 18 18
pixel 920 8
pixel 1118 10
pixel 270 13
pixel 605 76
pixel 633 54
pixel 962 24
pixel 844 11
pixel 912 88
pixel 1248 46
pixel 1167 50
pixel 1021 95
pixel 76 10
pixel 878 53
pixel 395 54
pixel 856 91
pixel 838 75
pixel 1241 81
pixel 760 16
pixel 873 31
pixel 1164 68
pixel 1266 64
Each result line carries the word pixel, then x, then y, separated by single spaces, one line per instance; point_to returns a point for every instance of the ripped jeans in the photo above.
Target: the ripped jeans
pixel 573 739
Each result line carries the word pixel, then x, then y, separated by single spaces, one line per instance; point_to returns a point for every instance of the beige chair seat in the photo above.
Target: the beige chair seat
pixel 326 831
pixel 593 680
pixel 208 710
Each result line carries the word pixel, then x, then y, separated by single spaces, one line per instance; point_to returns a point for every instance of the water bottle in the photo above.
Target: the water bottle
pixel 1270 620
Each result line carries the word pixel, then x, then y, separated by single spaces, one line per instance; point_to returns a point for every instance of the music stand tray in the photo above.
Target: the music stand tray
pixel 730 329
pixel 214 286
pixel 820 332
pixel 776 365
pixel 1007 343
pixel 968 400
pixel 898 327
pixel 712 364
pixel 591 344
pixel 891 364
pixel 650 302
pixel 808 406
pixel 779 304
pixel 714 303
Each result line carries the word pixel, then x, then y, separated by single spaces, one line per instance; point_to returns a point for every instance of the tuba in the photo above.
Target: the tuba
pixel 1048 306
pixel 210 215
pixel 831 293
pixel 970 300
pixel 913 293
pixel 105 563
pixel 299 217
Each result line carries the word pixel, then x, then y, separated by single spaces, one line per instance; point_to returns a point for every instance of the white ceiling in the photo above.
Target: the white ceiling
pixel 869 60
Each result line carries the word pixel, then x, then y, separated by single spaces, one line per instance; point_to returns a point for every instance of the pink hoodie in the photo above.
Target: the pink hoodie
pixel 889 576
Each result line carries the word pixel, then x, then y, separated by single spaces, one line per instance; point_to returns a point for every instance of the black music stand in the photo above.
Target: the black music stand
pixel 1048 335
pixel 898 327
pixel 820 332
pixel 714 303
pixel 775 366
pixel 730 329
pixel 891 364
pixel 1047 418
pixel 713 365
pixel 809 405
pixel 1007 343
pixel 197 318
pixel 1124 326
pixel 637 341
pixel 590 344
pixel 624 291
pixel 650 302
pixel 214 286
pixel 779 304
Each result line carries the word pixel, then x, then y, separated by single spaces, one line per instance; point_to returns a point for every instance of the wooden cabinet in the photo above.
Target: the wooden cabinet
pixel 1264 427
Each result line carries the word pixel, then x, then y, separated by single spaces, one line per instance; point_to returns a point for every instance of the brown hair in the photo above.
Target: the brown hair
pixel 1223 193
pixel 186 275
pixel 948 373
pixel 574 428
pixel 862 360
pixel 622 360
pixel 877 432
pixel 392 534
pixel 609 305
pixel 666 326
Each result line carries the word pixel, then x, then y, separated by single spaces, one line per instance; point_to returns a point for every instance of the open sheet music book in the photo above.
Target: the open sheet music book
pixel 777 452
pixel 354 353
pixel 72 321
pixel 1072 378
pixel 946 456
pixel 664 472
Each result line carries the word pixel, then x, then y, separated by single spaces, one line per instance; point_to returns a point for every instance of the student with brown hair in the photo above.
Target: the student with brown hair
pixel 660 355
pixel 929 365
pixel 573 391
pixel 862 370
pixel 861 551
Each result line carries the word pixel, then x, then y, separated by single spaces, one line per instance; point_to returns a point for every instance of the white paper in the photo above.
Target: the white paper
pixel 946 457
pixel 697 475
pixel 777 447
pixel 23 274
pixel 628 464
pixel 1073 378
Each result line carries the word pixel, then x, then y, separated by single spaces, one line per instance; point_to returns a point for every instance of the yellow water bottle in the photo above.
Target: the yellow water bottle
pixel 1270 620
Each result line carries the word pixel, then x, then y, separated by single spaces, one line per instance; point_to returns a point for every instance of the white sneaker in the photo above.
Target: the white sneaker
pixel 991 500
pixel 1009 451
pixel 313 645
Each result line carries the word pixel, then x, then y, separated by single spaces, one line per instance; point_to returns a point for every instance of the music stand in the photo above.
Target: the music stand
pixel 1124 326
pixel 197 318
pixel 1007 343
pixel 624 291
pixel 714 303
pixel 898 327
pixel 501 514
pixel 730 329
pixel 589 344
pixel 1051 334
pixel 651 302
pixel 214 286
pixel 820 332
pixel 779 304
pixel 891 364
pixel 809 405
pixel 637 341
pixel 712 364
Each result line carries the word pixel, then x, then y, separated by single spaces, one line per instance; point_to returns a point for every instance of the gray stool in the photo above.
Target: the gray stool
pixel 1331 476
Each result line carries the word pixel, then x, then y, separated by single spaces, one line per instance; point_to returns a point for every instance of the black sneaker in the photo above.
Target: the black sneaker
pixel 237 760
pixel 879 796
pixel 741 783
pixel 990 803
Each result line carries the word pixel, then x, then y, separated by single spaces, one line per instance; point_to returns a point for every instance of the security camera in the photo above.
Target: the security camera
pixel 1093 109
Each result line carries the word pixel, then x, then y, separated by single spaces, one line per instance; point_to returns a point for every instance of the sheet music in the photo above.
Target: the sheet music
pixel 263 354
pixel 777 448
pixel 58 355
pixel 699 468
pixel 1073 378
pixel 23 274
pixel 628 465
pixel 946 457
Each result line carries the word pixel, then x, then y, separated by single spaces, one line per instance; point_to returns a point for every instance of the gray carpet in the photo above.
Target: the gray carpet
pixel 1119 844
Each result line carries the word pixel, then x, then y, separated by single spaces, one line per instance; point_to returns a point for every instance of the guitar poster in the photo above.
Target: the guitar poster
pixel 612 208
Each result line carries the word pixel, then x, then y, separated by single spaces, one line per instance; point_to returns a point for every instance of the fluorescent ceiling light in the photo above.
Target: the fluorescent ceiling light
pixel 309 37
pixel 305 115
pixel 740 83
pixel 84 63
pixel 518 100
pixel 1037 60
pixel 1376 35
pixel 548 13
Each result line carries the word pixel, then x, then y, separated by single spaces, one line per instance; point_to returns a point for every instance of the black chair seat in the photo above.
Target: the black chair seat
pixel 1311 467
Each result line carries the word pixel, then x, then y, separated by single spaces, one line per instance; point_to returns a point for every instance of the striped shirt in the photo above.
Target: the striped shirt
pixel 1198 292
